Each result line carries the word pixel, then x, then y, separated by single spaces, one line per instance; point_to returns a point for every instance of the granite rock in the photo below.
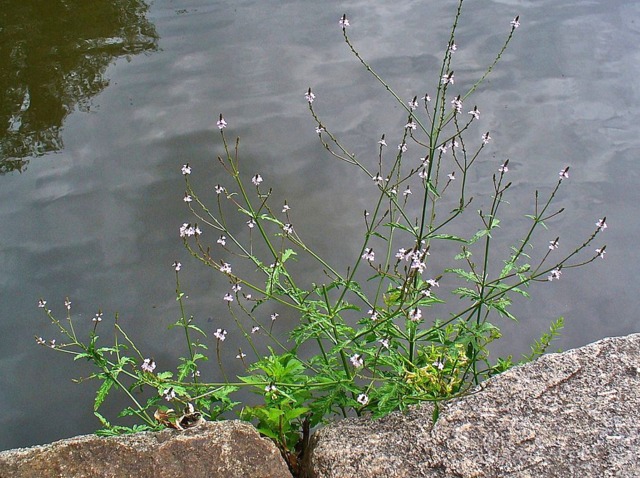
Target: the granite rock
pixel 229 449
pixel 572 414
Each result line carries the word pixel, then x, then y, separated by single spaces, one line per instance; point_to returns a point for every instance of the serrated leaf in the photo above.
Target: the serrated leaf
pixel 396 225
pixel 469 276
pixel 102 393
pixel 287 254
pixel 448 237
pixel 464 292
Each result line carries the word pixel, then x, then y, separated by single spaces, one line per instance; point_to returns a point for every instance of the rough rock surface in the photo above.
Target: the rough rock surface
pixel 230 449
pixel 574 414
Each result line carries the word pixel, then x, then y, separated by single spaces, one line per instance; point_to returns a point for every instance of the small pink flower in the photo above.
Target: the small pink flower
pixel 356 360
pixel 310 96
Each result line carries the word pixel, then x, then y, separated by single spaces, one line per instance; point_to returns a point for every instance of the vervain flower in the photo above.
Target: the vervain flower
pixel 384 342
pixel 407 192
pixel 187 198
pixel 344 22
pixel 452 176
pixel 453 47
pixel 368 255
pixel 433 283
pixel 187 230
pixel 241 355
pixel 186 169
pixel 40 341
pixel 169 394
pixel 222 240
pixel 410 125
pixel 426 98
pixel 177 266
pixel 219 189
pixel 98 317
pixel 382 142
pixel 515 23
pixel 413 104
pixel 601 252
pixel 475 113
pixel 415 315
pixel 554 275
pixel 274 316
pixel 228 297
pixel 448 79
pixel 553 244
pixel 285 208
pixel 504 168
pixel 309 96
pixel 356 360
pixel 362 399
pixel 438 364
pixel 319 129
pixel 402 254
pixel 379 180
pixel 402 147
pixel 601 224
pixel 564 174
pixel 220 334
pixel 67 304
pixel 373 314
pixel 486 138
pixel 457 104
pixel 254 329
pixel 256 180
pixel 222 124
pixel 148 365
pixel 236 287
pixel 251 223
pixel 287 228
pixel 225 268
pixel 42 303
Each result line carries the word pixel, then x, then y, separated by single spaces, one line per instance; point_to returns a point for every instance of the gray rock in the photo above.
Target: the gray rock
pixel 230 449
pixel 574 414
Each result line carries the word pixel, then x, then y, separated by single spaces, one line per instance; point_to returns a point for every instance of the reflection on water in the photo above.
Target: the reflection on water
pixel 53 55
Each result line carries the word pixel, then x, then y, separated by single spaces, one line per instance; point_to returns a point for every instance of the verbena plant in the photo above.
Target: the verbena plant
pixel 369 338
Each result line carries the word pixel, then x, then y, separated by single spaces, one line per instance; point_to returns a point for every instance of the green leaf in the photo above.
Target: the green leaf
pixel 396 225
pixel 197 329
pixel 432 189
pixel 102 393
pixel 103 420
pixel 448 237
pixel 295 413
pixel 468 276
pixel 465 292
pixel 287 254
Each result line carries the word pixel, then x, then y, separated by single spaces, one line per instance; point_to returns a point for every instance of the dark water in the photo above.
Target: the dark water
pixel 102 104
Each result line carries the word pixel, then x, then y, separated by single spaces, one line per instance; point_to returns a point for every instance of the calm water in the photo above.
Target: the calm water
pixel 100 110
